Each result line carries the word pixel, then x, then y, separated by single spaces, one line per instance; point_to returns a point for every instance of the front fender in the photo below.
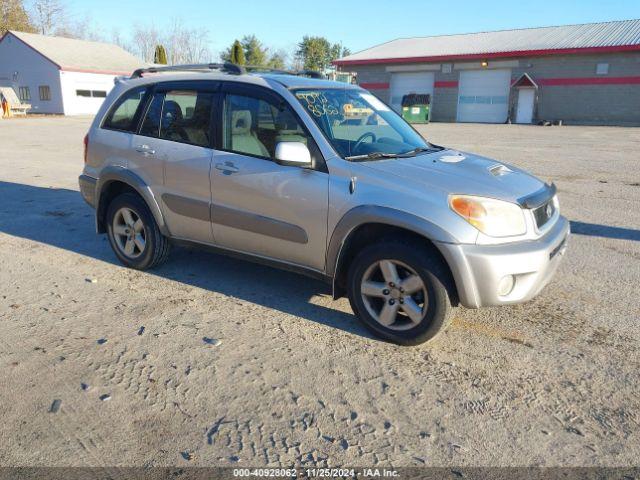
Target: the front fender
pixel 367 214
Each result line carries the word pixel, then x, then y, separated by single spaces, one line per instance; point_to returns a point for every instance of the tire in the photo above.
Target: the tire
pixel 428 318
pixel 155 246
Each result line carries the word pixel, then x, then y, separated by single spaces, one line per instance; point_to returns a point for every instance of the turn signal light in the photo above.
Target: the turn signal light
pixel 469 209
pixel 496 218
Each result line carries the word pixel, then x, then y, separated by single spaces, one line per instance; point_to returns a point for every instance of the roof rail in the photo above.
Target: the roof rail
pixel 298 73
pixel 227 67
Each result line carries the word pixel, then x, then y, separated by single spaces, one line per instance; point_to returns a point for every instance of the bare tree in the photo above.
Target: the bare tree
pixel 48 16
pixel 183 45
pixel 144 40
pixel 82 28
pixel 118 39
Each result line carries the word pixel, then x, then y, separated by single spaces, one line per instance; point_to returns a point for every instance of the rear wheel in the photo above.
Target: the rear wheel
pixel 134 234
pixel 400 291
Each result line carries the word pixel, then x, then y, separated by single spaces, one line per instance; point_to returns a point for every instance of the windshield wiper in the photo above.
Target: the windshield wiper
pixel 373 156
pixel 415 151
pixel 378 155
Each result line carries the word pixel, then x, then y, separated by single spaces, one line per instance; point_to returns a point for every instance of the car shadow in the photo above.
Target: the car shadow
pixel 597 230
pixel 59 217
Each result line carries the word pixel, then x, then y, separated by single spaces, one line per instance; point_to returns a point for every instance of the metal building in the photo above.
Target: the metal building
pixel 580 74
pixel 61 75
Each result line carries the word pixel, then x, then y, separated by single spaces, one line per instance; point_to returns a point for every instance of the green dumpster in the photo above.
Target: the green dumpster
pixel 416 108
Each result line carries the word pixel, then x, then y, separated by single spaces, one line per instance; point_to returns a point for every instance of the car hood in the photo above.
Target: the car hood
pixel 455 172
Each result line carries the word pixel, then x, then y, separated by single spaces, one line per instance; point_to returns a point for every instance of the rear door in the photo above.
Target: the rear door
pixel 259 206
pixel 175 142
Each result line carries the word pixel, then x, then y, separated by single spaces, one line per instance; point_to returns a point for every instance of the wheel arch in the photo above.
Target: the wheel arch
pixel 116 180
pixel 361 224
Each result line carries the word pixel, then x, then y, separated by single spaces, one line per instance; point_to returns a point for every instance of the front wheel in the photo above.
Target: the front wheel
pixel 400 291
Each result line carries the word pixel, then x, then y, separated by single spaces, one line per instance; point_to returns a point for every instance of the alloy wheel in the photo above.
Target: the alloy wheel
pixel 129 232
pixel 394 294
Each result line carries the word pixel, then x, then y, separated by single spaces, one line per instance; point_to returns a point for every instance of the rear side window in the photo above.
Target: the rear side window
pixel 180 116
pixel 122 115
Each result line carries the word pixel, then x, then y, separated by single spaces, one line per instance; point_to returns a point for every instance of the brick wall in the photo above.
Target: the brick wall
pixel 614 104
pixel 560 95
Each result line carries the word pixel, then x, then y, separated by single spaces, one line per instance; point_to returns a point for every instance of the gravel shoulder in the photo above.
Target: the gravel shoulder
pixel 210 361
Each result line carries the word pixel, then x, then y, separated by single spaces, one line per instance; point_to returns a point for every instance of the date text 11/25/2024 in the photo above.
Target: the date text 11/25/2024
pixel 316 472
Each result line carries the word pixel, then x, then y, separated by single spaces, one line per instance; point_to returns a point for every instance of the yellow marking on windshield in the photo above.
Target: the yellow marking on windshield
pixel 318 104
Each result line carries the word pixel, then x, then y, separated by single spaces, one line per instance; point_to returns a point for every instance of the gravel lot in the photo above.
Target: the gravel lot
pixel 296 380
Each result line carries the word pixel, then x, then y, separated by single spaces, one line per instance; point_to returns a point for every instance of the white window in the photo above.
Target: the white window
pixel 446 68
pixel 602 69
pixel 24 94
pixel 45 93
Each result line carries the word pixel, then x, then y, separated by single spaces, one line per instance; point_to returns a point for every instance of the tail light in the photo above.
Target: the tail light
pixel 86 146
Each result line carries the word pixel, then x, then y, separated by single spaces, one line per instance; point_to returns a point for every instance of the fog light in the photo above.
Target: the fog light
pixel 506 285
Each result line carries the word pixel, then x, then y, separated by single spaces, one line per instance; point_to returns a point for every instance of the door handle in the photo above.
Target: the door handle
pixel 145 149
pixel 227 167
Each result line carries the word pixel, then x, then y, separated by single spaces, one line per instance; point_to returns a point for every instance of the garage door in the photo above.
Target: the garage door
pixel 484 96
pixel 409 82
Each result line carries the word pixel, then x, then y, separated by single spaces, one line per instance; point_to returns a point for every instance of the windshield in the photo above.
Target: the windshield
pixel 359 126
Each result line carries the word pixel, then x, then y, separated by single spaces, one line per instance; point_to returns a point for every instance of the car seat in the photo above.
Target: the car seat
pixel 243 139
pixel 172 122
pixel 197 127
pixel 288 128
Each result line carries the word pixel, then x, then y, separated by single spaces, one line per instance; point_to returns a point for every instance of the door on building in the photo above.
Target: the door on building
pixel 483 96
pixel 409 82
pixel 524 111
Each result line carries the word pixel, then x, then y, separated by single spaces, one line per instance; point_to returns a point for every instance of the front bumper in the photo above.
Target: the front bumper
pixel 479 269
pixel 88 189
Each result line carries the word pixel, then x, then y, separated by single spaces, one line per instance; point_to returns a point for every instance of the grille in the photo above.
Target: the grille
pixel 543 213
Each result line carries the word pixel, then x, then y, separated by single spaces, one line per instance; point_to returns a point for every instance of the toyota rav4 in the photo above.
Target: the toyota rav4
pixel 278 168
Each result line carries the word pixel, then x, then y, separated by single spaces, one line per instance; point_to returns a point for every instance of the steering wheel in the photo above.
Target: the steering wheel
pixel 362 138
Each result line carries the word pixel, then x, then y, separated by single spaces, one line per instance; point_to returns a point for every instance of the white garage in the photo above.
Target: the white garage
pixel 61 75
pixel 483 96
pixel 403 83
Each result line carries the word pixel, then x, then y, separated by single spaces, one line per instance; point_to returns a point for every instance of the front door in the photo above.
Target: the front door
pixel 175 137
pixel 524 112
pixel 258 206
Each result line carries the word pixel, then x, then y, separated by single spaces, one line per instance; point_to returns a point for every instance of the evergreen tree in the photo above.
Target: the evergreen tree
pixel 316 53
pixel 160 56
pixel 237 54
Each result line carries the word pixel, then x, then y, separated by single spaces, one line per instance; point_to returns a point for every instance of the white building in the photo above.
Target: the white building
pixel 61 75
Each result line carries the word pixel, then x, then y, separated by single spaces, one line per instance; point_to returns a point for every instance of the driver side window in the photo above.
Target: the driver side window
pixel 254 126
pixel 182 116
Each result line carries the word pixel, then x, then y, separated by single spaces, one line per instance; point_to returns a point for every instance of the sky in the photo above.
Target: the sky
pixel 357 24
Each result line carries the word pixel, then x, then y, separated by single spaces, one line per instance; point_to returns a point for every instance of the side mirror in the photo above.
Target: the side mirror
pixel 294 154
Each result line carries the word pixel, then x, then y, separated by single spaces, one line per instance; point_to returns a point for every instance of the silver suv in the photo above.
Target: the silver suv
pixel 319 177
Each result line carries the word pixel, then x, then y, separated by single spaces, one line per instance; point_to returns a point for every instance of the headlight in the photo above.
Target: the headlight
pixel 495 218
